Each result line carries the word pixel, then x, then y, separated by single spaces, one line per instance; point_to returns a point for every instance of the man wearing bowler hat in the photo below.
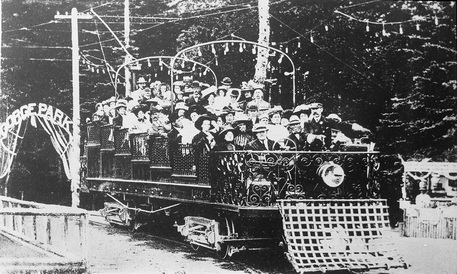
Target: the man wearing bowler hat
pixel 226 82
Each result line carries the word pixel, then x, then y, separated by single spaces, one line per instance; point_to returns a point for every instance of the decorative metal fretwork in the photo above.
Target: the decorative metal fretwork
pixel 93 161
pixel 140 155
pixel 140 147
pixel 121 141
pixel 107 137
pixel 93 135
pixel 255 178
pixel 159 154
pixel 183 160
pixel 107 163
pixel 259 178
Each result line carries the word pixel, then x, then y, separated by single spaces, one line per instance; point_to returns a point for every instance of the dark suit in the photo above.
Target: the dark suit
pixel 202 146
pixel 295 143
pixel 324 127
pixel 118 120
pixel 258 145
pixel 320 127
pixel 191 101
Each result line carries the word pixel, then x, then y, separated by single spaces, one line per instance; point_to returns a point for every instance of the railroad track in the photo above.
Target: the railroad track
pixel 250 262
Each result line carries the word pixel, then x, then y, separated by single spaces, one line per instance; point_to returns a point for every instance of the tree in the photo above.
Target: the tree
pixel 400 85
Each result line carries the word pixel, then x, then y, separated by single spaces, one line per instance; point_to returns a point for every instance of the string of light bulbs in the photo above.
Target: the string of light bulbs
pixel 415 19
pixel 326 51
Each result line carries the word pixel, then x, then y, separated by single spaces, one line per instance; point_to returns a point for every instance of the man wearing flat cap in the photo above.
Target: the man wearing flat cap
pixel 261 142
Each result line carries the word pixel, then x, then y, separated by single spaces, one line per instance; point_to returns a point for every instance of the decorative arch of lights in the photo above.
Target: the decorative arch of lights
pixel 54 121
pixel 240 42
pixel 172 63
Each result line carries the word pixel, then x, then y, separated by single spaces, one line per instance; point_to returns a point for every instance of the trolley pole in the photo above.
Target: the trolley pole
pixel 75 164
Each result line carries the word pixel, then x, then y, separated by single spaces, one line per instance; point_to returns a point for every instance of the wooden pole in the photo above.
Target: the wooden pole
pixel 74 160
pixel 75 163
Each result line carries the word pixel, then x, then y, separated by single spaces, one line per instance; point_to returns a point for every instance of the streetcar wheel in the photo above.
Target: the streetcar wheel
pixel 132 226
pixel 224 252
pixel 194 246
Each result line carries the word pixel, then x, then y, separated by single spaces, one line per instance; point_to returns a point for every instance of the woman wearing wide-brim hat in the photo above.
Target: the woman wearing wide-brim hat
pixel 225 139
pixel 180 112
pixel 199 123
pixel 242 126
pixel 203 143
pixel 242 119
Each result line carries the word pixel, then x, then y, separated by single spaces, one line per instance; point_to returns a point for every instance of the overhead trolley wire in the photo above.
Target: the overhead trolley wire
pixel 329 53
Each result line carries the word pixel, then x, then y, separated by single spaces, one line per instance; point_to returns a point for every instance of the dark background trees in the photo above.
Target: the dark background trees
pixel 402 86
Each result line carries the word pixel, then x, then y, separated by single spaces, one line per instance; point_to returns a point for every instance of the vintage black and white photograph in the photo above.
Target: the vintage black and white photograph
pixel 228 136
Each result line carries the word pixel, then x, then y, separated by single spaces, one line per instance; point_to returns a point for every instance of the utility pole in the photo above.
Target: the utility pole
pixel 127 74
pixel 264 39
pixel 75 164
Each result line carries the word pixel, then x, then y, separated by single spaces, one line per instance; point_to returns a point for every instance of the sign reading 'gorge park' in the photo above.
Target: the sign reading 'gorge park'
pixel 50 113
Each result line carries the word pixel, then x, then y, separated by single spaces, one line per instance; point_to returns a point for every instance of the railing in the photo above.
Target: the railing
pixel 121 141
pixel 259 178
pixel 240 177
pixel 93 135
pixel 436 223
pixel 159 153
pixel 183 161
pixel 437 177
pixel 140 146
pixel 59 230
pixel 106 137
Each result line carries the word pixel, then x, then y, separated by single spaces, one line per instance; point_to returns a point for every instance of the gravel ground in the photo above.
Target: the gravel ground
pixel 115 250
pixel 427 256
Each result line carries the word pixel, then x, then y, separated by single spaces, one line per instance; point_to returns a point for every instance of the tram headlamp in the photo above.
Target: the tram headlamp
pixel 332 174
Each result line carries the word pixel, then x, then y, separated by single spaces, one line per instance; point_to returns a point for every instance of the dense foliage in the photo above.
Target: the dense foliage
pixel 399 83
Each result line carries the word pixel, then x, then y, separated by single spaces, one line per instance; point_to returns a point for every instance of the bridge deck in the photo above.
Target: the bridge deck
pixel 19 256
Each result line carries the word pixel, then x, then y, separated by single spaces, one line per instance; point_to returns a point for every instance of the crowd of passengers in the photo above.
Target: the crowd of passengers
pixel 223 118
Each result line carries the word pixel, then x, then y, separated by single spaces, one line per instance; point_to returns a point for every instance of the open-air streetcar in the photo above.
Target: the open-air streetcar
pixel 322 206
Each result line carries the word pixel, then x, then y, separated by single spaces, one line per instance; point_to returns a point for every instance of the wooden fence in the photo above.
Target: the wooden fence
pixel 436 223
pixel 59 231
